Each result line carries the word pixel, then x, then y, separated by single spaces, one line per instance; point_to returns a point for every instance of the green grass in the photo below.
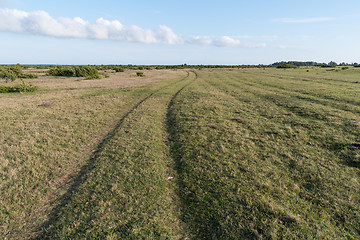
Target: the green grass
pixel 123 191
pixel 284 171
pixel 216 154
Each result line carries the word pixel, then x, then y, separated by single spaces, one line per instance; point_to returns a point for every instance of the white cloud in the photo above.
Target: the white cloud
pixel 227 41
pixel 41 23
pixel 258 45
pixel 200 40
pixel 263 37
pixel 304 20
pixel 166 35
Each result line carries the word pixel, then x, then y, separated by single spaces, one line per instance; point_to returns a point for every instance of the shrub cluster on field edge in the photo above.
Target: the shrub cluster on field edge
pixel 89 72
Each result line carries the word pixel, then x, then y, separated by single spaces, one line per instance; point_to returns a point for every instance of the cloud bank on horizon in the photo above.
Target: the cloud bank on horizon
pixel 41 23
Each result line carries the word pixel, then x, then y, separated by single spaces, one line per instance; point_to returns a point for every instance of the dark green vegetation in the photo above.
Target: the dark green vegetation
pixel 285 65
pixel 140 74
pixel 89 72
pixel 10 73
pixel 13 72
pixel 315 64
pixel 213 154
pixel 23 87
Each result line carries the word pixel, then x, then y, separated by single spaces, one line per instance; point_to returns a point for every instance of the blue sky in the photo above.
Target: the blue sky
pixel 177 32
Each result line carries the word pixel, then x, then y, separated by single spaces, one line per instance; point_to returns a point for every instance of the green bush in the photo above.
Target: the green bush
pixel 23 87
pixel 7 75
pixel 118 69
pixel 62 71
pixel 12 72
pixel 16 69
pixel 4 89
pixel 28 75
pixel 87 72
pixel 140 74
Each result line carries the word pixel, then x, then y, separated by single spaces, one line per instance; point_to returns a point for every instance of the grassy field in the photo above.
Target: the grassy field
pixel 204 154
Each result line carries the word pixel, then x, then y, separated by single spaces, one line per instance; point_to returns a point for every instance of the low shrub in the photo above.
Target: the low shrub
pixel 118 69
pixel 23 87
pixel 16 69
pixel 7 75
pixel 28 76
pixel 87 72
pixel 62 71
pixel 140 74
pixel 12 72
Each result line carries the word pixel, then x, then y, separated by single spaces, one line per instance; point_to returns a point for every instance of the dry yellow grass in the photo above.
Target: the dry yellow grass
pixel 115 79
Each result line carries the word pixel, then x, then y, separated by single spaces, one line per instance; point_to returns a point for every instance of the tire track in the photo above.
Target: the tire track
pixel 82 175
pixel 322 100
pixel 277 99
pixel 284 93
pixel 175 148
pixel 321 96
pixel 177 152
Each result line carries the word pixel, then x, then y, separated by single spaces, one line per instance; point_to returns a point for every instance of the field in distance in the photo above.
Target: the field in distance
pixel 188 154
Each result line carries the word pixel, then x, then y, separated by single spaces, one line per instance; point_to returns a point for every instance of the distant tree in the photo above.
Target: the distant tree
pixel 285 65
pixel 332 64
pixel 297 63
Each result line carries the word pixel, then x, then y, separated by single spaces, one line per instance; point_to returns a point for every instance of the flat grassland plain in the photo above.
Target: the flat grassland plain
pixel 186 154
